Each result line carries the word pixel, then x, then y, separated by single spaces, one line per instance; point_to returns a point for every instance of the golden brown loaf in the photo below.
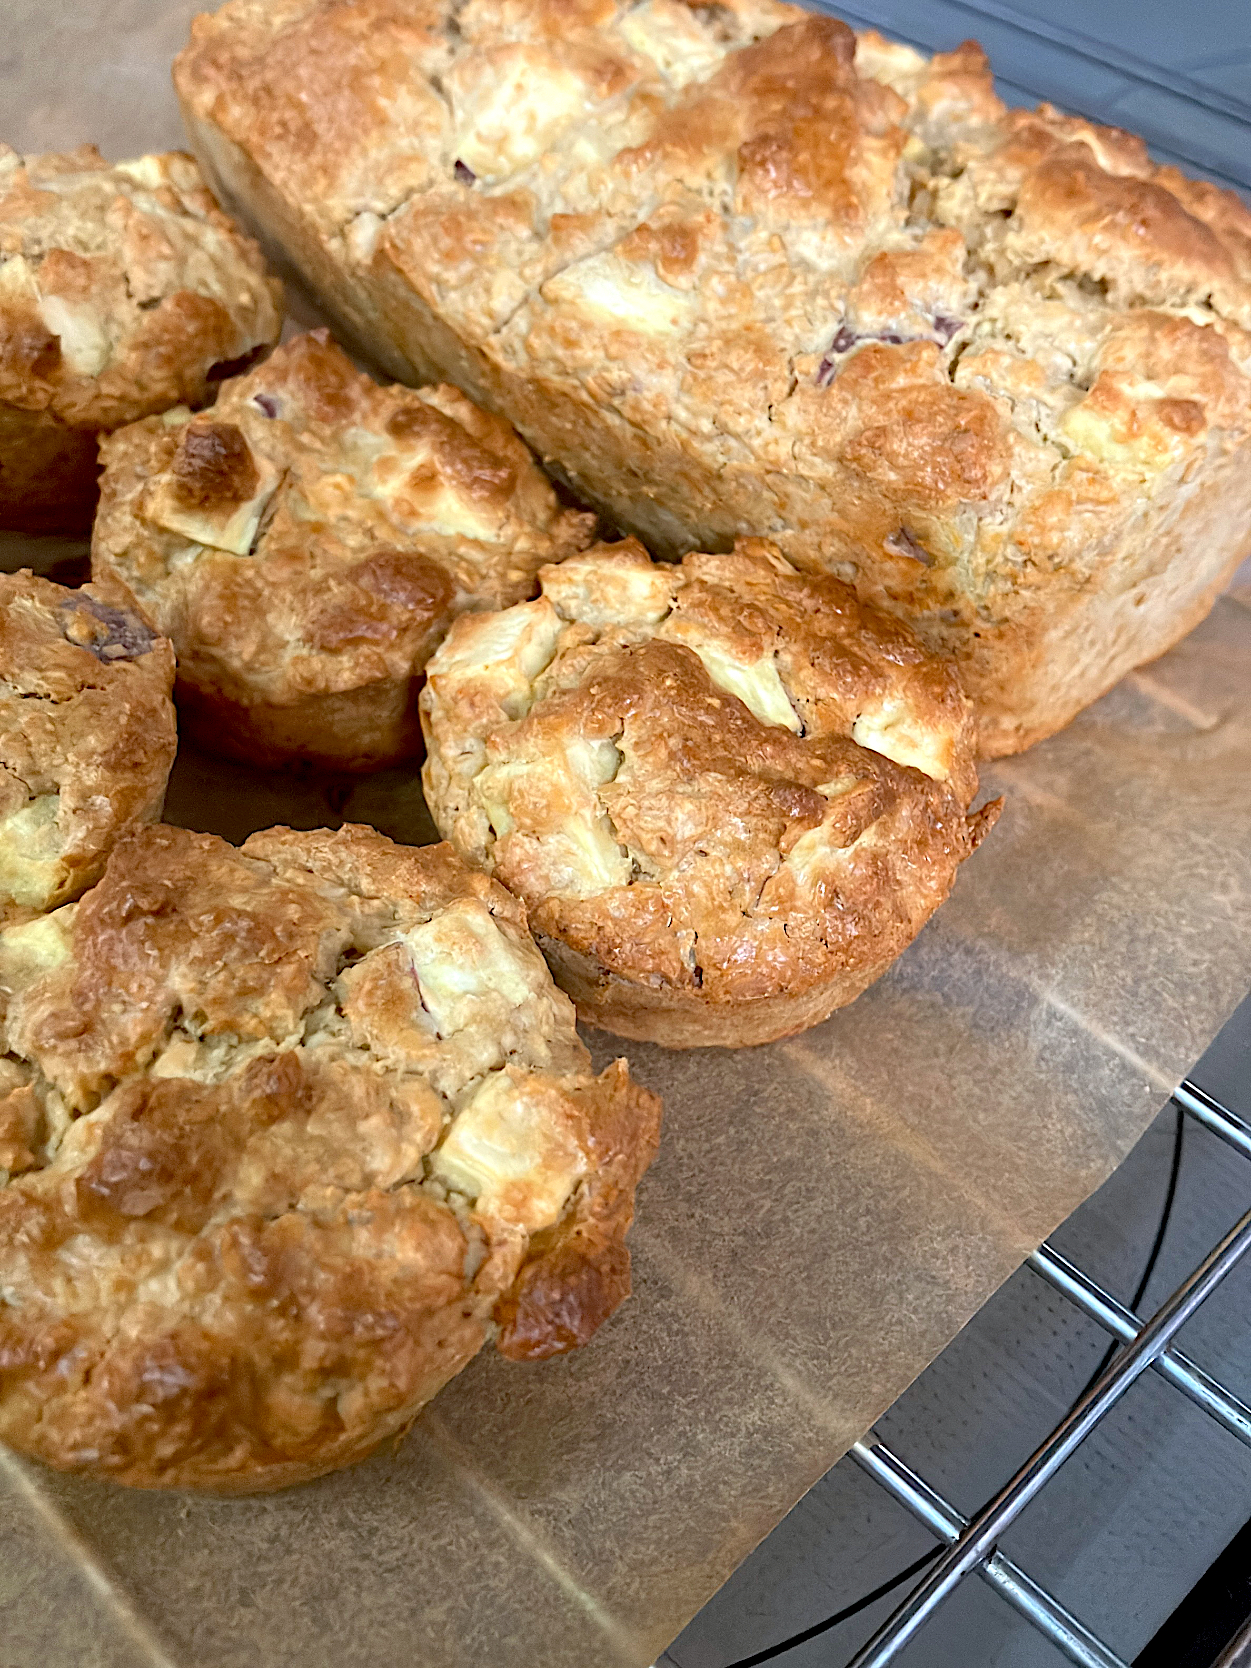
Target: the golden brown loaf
pixel 728 793
pixel 87 738
pixel 286 1134
pixel 734 270
pixel 306 543
pixel 123 290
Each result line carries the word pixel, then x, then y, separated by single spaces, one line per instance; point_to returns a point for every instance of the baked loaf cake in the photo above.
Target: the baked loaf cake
pixel 87 738
pixel 123 290
pixel 306 543
pixel 738 271
pixel 289 1133
pixel 728 793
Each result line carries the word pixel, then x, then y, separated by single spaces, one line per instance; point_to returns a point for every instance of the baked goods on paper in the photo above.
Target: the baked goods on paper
pixel 287 1134
pixel 123 290
pixel 87 738
pixel 306 542
pixel 729 794
pixel 736 270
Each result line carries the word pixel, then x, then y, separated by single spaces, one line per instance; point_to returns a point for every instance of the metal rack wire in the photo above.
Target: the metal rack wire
pixel 971 1544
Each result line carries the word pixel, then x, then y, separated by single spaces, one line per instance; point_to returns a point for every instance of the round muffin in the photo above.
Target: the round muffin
pixel 306 543
pixel 288 1132
pixel 728 793
pixel 124 290
pixel 87 737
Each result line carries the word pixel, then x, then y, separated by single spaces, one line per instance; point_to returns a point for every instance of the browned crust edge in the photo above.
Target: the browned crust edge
pixel 49 473
pixel 578 1273
pixel 686 1019
pixel 352 730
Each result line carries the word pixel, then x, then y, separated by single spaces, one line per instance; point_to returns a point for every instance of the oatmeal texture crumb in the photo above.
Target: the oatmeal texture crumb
pixel 287 1133
pixel 729 794
pixel 306 543
pixel 738 270
pixel 87 737
pixel 124 290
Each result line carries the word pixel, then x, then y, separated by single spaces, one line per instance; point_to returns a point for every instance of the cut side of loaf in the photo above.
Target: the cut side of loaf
pixel 734 269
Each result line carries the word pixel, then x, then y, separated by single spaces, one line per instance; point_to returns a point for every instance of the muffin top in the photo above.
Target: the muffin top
pixel 87 736
pixel 291 1130
pixel 313 530
pixel 124 289
pixel 725 777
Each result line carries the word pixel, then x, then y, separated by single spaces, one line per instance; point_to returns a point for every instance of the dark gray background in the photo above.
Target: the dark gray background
pixel 1131 1522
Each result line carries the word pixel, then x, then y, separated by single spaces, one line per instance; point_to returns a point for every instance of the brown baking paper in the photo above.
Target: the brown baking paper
pixel 824 1215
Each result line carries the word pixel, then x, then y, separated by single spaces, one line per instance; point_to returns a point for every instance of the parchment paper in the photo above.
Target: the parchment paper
pixel 824 1215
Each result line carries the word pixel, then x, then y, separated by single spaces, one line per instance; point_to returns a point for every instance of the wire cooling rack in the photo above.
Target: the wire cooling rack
pixel 972 1544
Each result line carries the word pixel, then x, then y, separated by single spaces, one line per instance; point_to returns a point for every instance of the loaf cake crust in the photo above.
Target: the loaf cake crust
pixel 286 1134
pixel 729 794
pixel 306 543
pixel 734 270
pixel 87 738
pixel 124 290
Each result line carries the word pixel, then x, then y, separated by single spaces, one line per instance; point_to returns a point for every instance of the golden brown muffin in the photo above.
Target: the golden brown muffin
pixel 123 290
pixel 290 1132
pixel 87 737
pixel 736 270
pixel 728 793
pixel 307 542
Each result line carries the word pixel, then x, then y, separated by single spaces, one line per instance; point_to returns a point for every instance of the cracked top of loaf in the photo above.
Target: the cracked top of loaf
pixel 743 270
pixel 286 1133
pixel 753 189
pixel 124 289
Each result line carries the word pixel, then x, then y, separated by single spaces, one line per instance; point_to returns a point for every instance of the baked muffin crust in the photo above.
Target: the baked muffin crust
pixel 287 1133
pixel 728 793
pixel 124 290
pixel 737 270
pixel 306 543
pixel 87 737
